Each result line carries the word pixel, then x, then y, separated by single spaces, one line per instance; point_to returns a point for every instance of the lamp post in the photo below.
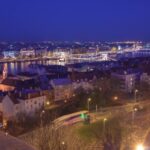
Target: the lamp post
pixel 88 103
pixel 63 145
pixel 96 108
pixel 41 115
pixel 47 103
pixel 115 98
pixel 104 123
pixel 135 95
pixel 133 114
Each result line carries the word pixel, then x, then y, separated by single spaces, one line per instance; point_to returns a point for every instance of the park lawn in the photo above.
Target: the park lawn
pixel 91 131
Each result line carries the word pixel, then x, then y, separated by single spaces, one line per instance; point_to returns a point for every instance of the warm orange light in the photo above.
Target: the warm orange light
pixel 115 97
pixel 89 99
pixel 140 147
pixel 47 103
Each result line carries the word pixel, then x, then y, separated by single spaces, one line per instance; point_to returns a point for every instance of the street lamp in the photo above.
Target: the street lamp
pixel 133 114
pixel 140 147
pixel 135 94
pixel 115 98
pixel 47 103
pixel 41 115
pixel 63 145
pixel 105 119
pixel 104 122
pixel 88 102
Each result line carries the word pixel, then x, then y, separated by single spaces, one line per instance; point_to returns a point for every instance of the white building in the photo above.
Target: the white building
pixel 27 52
pixel 11 105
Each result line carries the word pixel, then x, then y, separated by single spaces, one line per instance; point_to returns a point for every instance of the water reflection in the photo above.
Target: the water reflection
pixel 16 67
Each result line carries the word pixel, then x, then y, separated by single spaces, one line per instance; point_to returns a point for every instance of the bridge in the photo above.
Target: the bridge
pixel 94 56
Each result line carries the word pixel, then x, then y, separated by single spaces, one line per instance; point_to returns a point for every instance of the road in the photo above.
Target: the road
pixel 105 113
pixel 108 112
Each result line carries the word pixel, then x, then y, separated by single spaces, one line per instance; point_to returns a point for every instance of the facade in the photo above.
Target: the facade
pixel 63 89
pixel 8 107
pixel 86 85
pixel 127 80
pixel 145 77
pixel 27 52
pixel 10 54
pixel 41 52
pixel 26 102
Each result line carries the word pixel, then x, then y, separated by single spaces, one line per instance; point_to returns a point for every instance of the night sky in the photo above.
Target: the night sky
pixel 74 20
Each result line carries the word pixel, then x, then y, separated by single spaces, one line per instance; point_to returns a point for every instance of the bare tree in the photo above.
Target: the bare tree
pixel 47 138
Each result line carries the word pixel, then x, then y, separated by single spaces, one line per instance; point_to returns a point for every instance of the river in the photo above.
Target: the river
pixel 16 67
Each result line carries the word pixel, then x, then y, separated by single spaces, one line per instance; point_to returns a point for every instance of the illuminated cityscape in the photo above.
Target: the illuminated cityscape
pixel 74 75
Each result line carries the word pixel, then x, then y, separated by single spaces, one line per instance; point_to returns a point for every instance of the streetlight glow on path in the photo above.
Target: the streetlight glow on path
pixel 140 147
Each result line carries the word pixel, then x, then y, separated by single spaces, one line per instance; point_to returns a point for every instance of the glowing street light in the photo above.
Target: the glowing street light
pixel 63 143
pixel 135 94
pixel 105 119
pixel 41 115
pixel 115 98
pixel 133 114
pixel 140 147
pixel 88 102
pixel 43 111
pixel 47 103
pixel 104 122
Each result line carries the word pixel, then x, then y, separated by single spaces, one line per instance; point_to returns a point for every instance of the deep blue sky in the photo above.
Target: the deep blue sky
pixel 110 20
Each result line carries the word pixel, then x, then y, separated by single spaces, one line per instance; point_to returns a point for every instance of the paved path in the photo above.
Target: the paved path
pixel 11 143
pixel 147 141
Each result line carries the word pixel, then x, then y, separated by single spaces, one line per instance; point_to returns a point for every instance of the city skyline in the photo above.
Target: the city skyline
pixel 74 20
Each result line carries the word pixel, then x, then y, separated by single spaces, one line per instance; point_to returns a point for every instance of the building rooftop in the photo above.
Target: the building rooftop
pixel 19 84
pixel 127 72
pixel 6 88
pixel 63 81
pixel 20 78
